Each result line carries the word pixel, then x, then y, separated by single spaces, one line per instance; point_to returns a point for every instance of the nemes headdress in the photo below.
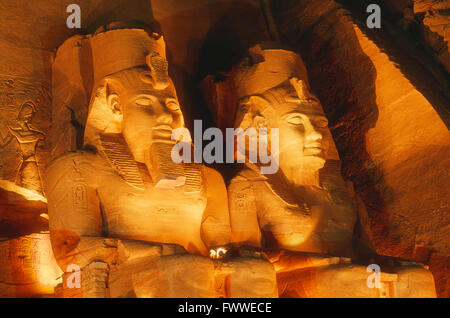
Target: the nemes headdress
pixel 267 66
pixel 83 62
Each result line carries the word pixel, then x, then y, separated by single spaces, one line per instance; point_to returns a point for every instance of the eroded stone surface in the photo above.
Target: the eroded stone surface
pixel 28 266
pixel 433 20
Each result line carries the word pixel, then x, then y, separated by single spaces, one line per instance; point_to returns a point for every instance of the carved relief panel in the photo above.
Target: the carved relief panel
pixel 24 122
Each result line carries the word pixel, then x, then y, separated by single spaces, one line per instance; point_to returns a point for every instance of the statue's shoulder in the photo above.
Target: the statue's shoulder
pixel 247 175
pixel 78 158
pixel 76 155
pixel 212 175
pixel 71 168
pixel 245 181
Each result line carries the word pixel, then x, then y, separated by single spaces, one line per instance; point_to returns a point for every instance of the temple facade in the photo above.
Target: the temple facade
pixel 324 146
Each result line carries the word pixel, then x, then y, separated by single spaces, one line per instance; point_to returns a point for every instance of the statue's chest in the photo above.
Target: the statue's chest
pixel 276 202
pixel 286 220
pixel 145 212
pixel 311 224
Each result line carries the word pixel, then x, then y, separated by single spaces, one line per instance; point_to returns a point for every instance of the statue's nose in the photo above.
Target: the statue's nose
pixel 314 135
pixel 165 118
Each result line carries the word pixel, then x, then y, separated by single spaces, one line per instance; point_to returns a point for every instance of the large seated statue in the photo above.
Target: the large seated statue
pixel 302 217
pixel 136 223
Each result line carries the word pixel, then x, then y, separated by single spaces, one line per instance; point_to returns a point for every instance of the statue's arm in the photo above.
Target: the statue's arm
pixel 215 229
pixel 243 213
pixel 74 214
pixel 14 132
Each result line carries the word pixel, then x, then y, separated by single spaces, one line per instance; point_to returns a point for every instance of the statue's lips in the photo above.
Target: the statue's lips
pixel 313 151
pixel 162 131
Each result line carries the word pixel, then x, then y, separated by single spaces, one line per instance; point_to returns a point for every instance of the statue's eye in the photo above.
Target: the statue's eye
pixel 295 120
pixel 144 102
pixel 172 105
pixel 322 122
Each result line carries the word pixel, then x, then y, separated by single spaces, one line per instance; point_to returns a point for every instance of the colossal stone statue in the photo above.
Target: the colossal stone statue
pixel 133 221
pixel 302 217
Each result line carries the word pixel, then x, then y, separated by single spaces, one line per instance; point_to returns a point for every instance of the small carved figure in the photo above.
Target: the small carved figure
pixel 28 138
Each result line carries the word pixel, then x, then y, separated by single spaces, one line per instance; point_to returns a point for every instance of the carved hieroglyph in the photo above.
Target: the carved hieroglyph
pixel 303 216
pixel 122 201
pixel 28 266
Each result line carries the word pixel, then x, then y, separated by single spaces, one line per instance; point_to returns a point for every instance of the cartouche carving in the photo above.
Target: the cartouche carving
pixel 302 217
pixel 122 201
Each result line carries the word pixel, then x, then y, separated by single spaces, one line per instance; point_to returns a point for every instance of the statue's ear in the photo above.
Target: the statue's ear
pixel 258 105
pixel 114 108
pixel 250 112
pixel 113 103
pixel 105 115
pixel 259 121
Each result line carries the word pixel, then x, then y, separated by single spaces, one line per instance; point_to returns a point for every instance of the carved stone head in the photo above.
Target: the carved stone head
pixel 301 122
pixel 271 90
pixel 115 81
pixel 133 94
pixel 26 112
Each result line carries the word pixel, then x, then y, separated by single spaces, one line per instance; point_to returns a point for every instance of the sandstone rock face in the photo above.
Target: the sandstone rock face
pixel 432 18
pixel 436 27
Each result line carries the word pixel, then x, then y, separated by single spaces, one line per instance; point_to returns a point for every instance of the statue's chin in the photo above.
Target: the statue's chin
pixel 313 162
pixel 302 172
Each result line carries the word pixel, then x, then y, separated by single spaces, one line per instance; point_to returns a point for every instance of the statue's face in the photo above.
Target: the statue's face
pixel 148 115
pixel 303 133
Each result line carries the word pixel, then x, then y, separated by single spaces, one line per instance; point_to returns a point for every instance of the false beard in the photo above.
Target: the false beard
pixel 300 175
